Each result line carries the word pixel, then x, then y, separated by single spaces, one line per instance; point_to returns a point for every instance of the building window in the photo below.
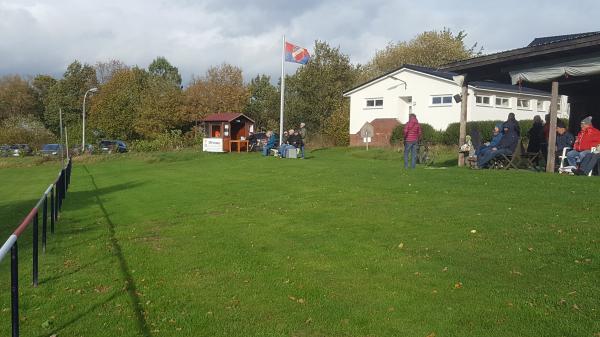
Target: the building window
pixel 482 100
pixel 558 103
pixel 523 104
pixel 503 102
pixel 375 103
pixel 540 106
pixel 441 100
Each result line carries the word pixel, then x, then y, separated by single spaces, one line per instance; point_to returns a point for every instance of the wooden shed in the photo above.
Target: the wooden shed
pixel 226 132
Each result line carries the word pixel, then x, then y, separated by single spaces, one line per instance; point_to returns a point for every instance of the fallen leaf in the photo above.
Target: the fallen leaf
pixel 401 245
pixel 458 285
pixel 445 269
pixel 431 334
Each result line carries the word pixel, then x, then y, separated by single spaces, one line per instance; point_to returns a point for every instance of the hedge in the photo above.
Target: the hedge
pixel 451 134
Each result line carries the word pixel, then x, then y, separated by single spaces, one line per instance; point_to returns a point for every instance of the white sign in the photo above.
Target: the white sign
pixel 366 139
pixel 212 145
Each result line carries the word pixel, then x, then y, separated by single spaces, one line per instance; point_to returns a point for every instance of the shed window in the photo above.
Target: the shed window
pixel 441 100
pixel 503 102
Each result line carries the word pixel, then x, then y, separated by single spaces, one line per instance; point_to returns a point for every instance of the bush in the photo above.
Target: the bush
pixel 25 130
pixel 429 134
pixel 168 141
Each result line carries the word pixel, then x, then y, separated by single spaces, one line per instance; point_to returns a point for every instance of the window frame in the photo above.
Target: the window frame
pixel 538 103
pixel 489 103
pixel 528 107
pixel 374 101
pixel 441 103
pixel 509 106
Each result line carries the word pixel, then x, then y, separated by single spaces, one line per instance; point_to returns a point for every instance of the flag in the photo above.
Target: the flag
pixel 296 54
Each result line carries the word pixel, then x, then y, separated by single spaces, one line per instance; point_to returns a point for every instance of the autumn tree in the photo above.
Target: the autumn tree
pixel 67 94
pixel 315 91
pixel 161 67
pixel 17 98
pixel 221 89
pixel 263 106
pixel 160 108
pixel 42 84
pixel 106 70
pixel 116 107
pixel 429 49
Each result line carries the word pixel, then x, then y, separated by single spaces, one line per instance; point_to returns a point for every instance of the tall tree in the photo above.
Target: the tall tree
pixel 67 94
pixel 160 108
pixel 106 70
pixel 162 68
pixel 314 92
pixel 429 49
pixel 221 89
pixel 116 108
pixel 17 98
pixel 263 106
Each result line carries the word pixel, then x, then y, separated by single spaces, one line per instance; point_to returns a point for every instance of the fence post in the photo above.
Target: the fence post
pixel 44 222
pixel 14 289
pixel 35 249
pixel 52 209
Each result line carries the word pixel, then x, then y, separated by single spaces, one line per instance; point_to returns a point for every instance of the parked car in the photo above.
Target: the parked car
pixel 110 146
pixel 19 150
pixel 51 150
pixel 4 149
pixel 76 150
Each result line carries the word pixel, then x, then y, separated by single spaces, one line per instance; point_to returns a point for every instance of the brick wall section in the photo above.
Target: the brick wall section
pixel 383 131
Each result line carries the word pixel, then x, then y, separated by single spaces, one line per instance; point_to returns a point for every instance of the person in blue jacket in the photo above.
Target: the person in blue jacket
pixel 497 136
pixel 507 146
pixel 271 143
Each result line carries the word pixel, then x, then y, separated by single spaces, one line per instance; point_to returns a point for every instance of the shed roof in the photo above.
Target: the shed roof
pixel 495 86
pixel 538 41
pixel 225 117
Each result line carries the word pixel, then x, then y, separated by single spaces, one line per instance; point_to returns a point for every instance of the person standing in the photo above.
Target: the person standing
pixel 512 124
pixel 302 133
pixel 535 135
pixel 412 134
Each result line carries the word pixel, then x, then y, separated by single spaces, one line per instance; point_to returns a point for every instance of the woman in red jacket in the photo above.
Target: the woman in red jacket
pixel 587 138
pixel 412 134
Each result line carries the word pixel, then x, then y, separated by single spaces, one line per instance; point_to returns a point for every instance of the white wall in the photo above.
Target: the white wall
pixel 421 87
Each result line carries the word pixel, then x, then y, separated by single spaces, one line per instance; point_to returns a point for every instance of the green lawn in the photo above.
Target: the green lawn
pixel 345 243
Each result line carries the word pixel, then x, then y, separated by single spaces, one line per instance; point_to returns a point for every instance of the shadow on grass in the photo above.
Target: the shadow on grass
pixel 71 272
pixel 125 272
pixel 91 309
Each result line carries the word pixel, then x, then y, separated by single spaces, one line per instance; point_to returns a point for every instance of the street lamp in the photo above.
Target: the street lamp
pixel 83 134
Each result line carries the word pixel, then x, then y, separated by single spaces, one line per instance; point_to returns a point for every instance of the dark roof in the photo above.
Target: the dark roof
pixel 431 71
pixel 225 117
pixel 554 47
pixel 507 87
pixel 538 41
pixel 426 70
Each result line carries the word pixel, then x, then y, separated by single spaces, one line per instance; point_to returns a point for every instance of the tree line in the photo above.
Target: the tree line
pixel 135 103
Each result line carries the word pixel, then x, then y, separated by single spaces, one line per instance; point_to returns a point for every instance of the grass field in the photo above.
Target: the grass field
pixel 345 243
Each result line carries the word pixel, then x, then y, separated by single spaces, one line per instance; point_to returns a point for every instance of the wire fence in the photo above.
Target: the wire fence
pixel 51 200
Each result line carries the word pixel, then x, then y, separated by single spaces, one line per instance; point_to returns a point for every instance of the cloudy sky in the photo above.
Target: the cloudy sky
pixel 44 36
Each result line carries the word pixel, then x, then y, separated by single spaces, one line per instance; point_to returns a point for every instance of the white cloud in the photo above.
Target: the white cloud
pixel 45 36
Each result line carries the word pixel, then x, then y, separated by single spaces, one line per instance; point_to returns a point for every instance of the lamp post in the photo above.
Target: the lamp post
pixel 83 134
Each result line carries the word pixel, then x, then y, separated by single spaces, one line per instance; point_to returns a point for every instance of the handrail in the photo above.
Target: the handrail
pixel 57 192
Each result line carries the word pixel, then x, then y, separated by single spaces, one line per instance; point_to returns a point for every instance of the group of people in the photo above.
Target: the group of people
pixel 291 140
pixel 583 151
pixel 504 141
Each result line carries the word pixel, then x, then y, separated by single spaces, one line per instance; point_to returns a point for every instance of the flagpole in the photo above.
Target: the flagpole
pixel 281 103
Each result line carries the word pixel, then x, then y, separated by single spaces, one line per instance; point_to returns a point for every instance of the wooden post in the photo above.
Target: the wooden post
pixel 463 123
pixel 552 134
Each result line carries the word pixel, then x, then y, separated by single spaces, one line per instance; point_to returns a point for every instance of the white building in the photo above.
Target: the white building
pixel 387 100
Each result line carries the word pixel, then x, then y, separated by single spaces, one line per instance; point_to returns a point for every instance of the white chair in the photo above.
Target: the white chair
pixel 562 158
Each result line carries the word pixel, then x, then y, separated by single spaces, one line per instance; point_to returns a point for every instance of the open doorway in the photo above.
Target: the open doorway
pixel 406 108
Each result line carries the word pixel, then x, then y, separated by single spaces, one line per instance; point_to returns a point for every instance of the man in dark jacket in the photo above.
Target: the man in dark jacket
pixel 506 146
pixel 587 164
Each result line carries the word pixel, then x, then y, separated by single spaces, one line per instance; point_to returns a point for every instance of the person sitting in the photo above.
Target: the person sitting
pixel 587 138
pixel 587 164
pixel 271 140
pixel 252 141
pixel 506 146
pixel 535 135
pixel 496 137
pixel 564 139
pixel 286 145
